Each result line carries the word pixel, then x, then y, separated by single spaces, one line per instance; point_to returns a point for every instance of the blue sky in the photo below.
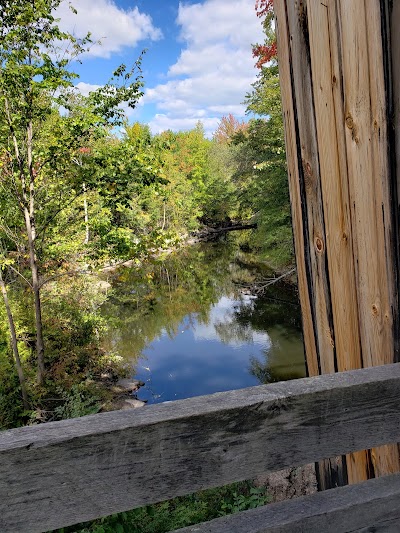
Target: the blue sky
pixel 198 64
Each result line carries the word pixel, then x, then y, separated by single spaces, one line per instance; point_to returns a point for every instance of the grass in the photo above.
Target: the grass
pixel 179 512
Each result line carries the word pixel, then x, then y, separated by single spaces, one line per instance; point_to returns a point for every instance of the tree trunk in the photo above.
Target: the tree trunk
pixel 164 215
pixel 27 205
pixel 29 213
pixel 36 295
pixel 14 343
pixel 85 208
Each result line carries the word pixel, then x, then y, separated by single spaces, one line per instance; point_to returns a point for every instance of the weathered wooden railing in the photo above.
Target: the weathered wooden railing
pixel 62 473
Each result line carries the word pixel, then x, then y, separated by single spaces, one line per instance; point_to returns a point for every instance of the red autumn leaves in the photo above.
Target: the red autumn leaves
pixel 268 51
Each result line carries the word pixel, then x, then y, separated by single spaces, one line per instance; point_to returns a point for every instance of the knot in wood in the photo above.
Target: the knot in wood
pixel 375 309
pixel 308 169
pixel 319 245
pixel 349 121
pixel 352 127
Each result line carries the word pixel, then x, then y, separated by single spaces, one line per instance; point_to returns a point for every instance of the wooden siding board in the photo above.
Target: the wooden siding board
pixel 341 92
pixel 368 156
pixel 365 110
pixel 310 183
pixel 300 236
pixel 335 193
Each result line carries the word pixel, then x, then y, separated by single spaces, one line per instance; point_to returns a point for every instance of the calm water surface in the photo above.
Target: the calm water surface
pixel 188 325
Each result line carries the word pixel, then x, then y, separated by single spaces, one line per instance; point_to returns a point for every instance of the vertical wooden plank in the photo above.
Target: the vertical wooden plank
pixel 366 130
pixel 311 183
pixel 334 182
pixel 296 85
pixel 382 168
pixel 306 198
pixel 291 141
pixel 335 193
pixel 385 458
pixel 388 458
pixel 365 117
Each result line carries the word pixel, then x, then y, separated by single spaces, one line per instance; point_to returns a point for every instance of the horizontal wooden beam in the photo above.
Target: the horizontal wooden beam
pixel 61 473
pixel 369 506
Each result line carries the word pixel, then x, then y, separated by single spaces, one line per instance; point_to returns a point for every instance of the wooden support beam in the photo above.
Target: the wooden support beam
pixel 338 92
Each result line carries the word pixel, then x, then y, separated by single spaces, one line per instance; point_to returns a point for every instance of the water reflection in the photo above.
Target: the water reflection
pixel 189 329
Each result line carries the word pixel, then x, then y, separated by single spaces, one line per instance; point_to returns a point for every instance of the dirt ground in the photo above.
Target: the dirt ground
pixel 289 483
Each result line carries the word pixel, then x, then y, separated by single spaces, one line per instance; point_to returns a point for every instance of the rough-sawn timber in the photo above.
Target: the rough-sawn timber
pixel 371 506
pixel 66 472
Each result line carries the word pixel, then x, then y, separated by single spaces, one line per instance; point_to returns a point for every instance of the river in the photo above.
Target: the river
pixel 188 325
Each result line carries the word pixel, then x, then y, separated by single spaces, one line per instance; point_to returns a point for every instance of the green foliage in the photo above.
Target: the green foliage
pixel 123 87
pixel 72 327
pixel 38 144
pixel 119 168
pixel 11 408
pixel 242 502
pixel 182 201
pixel 180 512
pixel 262 172
pixel 93 197
pixel 74 359
pixel 79 400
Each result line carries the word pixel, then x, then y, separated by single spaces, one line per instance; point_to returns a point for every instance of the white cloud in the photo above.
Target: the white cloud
pixel 116 28
pixel 86 88
pixel 221 313
pixel 215 69
pixel 214 20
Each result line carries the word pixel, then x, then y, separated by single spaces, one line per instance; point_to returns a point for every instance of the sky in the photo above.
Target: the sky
pixel 198 64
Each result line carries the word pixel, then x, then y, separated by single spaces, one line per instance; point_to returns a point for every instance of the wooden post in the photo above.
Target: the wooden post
pixel 340 93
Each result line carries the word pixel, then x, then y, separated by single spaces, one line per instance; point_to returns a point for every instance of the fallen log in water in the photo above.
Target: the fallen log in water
pixel 208 233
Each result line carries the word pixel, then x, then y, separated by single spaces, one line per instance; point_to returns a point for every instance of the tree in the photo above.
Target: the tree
pixel 227 127
pixel 261 174
pixel 34 68
pixel 13 336
pixel 267 51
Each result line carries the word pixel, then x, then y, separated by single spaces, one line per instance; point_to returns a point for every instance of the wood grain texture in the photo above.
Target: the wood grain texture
pixel 310 184
pixel 358 464
pixel 300 233
pixel 309 231
pixel 67 472
pixel 371 506
pixel 366 143
pixel 341 84
pixel 334 183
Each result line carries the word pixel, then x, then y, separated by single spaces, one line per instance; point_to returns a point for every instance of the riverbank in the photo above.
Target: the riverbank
pixel 202 234
pixel 217 292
